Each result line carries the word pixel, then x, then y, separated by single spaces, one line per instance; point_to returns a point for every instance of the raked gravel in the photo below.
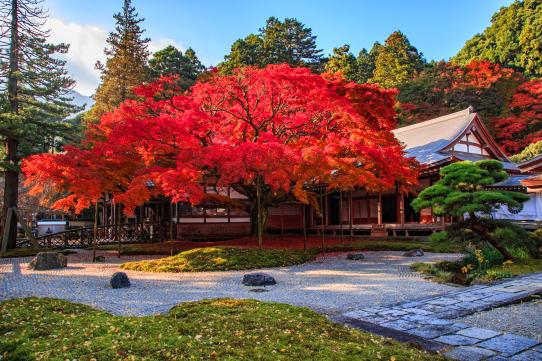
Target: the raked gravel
pixel 330 284
pixel 524 319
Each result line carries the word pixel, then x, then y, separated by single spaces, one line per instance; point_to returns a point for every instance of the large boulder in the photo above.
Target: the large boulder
pixel 119 280
pixel 414 253
pixel 355 256
pixel 48 260
pixel 258 279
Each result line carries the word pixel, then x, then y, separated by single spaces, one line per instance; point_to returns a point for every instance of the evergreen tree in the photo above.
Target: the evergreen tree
pixel 462 190
pixel 244 52
pixel 397 61
pixel 514 38
pixel 529 152
pixel 287 41
pixel 126 64
pixel 34 88
pixel 171 61
pixel 343 61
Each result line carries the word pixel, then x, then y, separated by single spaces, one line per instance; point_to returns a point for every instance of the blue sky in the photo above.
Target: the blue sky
pixel 437 28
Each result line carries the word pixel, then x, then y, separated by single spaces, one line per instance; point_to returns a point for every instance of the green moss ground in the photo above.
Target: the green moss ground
pixel 220 329
pixel 221 259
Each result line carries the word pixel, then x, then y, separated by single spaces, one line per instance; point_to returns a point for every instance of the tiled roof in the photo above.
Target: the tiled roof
pixel 428 141
pixel 441 129
pixel 512 181
pixel 475 157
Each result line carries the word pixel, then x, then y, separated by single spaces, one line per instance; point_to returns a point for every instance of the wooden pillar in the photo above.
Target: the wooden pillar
pixel 368 206
pixel 350 214
pixel 379 208
pixel 402 208
pixel 304 228
pixel 341 212
pixel 118 226
pixel 282 221
pixel 322 226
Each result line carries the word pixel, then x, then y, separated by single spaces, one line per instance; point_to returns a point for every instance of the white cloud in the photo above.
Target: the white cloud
pixel 87 43
pixel 155 45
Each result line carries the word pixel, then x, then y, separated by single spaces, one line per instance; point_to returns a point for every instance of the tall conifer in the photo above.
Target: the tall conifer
pixel 126 64
pixel 34 93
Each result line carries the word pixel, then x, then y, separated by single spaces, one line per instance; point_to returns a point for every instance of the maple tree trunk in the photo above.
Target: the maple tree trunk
pixel 260 212
pixel 94 231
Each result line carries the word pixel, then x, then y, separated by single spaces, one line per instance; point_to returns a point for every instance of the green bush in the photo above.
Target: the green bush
pixel 450 266
pixel 536 236
pixel 513 237
pixel 440 236
pixel 493 275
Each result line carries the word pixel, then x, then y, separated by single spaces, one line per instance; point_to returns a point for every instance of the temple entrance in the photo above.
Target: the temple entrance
pixel 334 208
pixel 410 214
pixel 389 209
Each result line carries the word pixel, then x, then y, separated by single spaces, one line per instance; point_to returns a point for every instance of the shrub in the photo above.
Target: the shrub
pixel 506 233
pixel 440 236
pixel 450 266
pixel 493 275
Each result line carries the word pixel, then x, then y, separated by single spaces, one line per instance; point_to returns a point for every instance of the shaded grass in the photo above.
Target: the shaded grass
pixel 219 329
pixel 440 273
pixel 519 267
pixel 221 259
pixel 398 245
pixel 437 274
pixel 29 252
pixel 170 248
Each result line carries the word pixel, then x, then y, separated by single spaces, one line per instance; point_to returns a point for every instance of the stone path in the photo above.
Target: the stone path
pixel 432 321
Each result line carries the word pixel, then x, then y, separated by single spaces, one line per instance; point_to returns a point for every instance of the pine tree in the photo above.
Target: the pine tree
pixel 171 61
pixel 34 87
pixel 397 61
pixel 513 39
pixel 343 61
pixel 126 64
pixel 288 41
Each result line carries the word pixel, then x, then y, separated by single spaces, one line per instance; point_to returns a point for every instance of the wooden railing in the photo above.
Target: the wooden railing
pixel 111 234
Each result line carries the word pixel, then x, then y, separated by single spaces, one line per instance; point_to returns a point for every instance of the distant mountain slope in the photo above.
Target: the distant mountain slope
pixel 514 38
pixel 80 99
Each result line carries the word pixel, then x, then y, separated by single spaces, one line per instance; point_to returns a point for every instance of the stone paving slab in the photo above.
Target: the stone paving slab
pixel 528 356
pixel 469 353
pixel 508 345
pixel 431 318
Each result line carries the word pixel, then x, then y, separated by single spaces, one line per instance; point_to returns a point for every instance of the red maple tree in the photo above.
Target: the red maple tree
pixel 524 125
pixel 268 133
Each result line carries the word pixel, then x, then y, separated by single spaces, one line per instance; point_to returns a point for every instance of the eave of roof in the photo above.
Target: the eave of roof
pixel 429 141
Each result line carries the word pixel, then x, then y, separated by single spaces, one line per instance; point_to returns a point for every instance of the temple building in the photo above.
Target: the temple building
pixel 434 143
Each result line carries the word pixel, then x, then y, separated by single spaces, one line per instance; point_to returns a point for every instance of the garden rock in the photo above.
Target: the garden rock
pixel 414 253
pixel 355 256
pixel 258 279
pixel 48 260
pixel 99 259
pixel 119 280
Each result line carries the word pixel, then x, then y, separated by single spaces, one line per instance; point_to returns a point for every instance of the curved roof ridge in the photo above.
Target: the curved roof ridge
pixel 461 113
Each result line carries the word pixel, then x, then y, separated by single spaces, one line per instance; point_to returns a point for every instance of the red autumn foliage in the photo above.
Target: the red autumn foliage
pixel 480 74
pixel 508 103
pixel 279 127
pixel 524 126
